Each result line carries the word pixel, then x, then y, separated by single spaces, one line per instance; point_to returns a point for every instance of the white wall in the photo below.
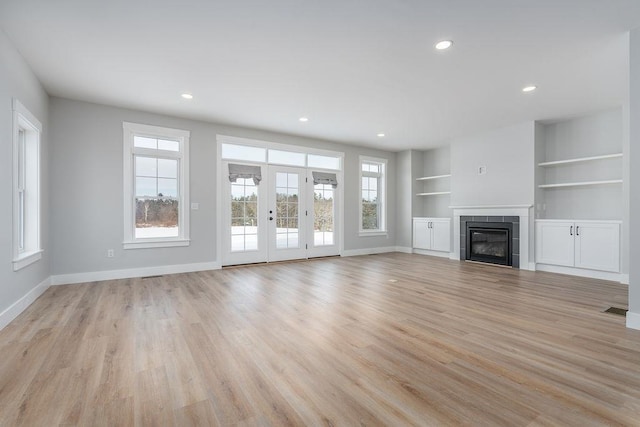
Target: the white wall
pixel 404 197
pixel 633 317
pixel 18 81
pixel 507 154
pixel 87 205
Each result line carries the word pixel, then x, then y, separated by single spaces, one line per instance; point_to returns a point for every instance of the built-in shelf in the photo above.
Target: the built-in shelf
pixel 580 159
pixel 425 178
pixel 581 184
pixel 434 193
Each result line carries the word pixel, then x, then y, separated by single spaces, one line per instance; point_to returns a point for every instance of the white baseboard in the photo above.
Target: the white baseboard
pixel 633 320
pixel 368 251
pixel 593 274
pixel 404 249
pixel 21 305
pixel 431 253
pixel 532 266
pixel 624 279
pixel 96 276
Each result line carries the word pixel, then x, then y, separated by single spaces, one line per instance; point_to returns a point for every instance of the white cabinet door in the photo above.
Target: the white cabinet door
pixel 421 234
pixel 555 242
pixel 597 246
pixel 440 235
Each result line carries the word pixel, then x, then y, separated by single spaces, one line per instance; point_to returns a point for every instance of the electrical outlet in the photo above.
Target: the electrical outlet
pixel 110 253
pixel 482 170
pixel 195 206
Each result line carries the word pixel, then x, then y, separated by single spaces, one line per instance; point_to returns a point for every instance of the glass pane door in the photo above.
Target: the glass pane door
pixel 323 219
pixel 286 213
pixel 244 232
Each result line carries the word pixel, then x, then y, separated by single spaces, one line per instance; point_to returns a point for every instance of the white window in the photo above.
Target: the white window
pixel 372 201
pixel 156 186
pixel 26 187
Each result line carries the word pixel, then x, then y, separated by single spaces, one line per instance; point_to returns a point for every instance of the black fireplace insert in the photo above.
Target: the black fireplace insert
pixel 489 242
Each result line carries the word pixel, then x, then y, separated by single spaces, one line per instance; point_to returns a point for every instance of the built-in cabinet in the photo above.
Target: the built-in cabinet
pixel 593 245
pixel 432 234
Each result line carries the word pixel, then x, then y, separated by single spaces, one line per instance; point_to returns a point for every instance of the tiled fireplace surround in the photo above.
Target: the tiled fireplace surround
pixel 519 215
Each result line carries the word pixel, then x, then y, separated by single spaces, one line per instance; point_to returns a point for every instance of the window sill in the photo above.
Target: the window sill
pixel 372 233
pixel 26 259
pixel 147 244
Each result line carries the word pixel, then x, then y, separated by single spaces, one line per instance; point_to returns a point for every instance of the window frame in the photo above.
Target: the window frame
pixel 27 135
pixel 382 195
pixel 131 130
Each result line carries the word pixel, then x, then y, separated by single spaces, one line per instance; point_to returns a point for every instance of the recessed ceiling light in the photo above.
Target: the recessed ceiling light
pixel 187 96
pixel 444 44
pixel 381 135
pixel 529 88
pixel 304 119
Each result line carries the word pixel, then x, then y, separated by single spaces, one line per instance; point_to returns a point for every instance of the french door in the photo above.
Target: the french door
pixel 284 216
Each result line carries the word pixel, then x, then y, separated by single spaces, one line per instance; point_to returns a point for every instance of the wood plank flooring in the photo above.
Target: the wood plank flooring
pixel 392 339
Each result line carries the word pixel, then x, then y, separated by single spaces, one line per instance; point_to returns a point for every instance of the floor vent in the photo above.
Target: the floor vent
pixel 150 277
pixel 617 310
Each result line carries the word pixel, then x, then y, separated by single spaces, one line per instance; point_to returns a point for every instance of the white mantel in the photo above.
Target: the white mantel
pixel 522 211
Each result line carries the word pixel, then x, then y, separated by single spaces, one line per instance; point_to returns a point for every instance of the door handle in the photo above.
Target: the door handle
pixel 571 230
pixel 270 218
pixel 577 230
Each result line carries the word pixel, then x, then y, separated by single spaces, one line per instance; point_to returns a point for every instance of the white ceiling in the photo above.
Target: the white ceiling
pixel 354 67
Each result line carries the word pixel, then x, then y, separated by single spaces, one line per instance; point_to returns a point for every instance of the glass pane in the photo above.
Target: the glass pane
pixel 369 216
pixel 144 142
pixel 292 180
pixel 324 162
pixel 323 215
pixel 286 158
pixel 164 144
pixel 156 218
pixel 373 183
pixel 292 240
pixel 365 183
pixel 237 243
pixel 146 187
pixel 237 192
pixel 244 215
pixel 365 167
pixel 281 179
pixel 167 187
pixel 167 168
pixel 243 152
pixel 146 166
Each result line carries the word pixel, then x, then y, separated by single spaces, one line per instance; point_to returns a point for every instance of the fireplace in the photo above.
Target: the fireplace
pixel 489 242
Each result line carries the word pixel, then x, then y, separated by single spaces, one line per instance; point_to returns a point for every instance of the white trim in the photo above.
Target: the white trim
pixel 453 257
pixel 14 310
pixel 581 272
pixel 30 219
pixel 437 193
pixel 368 251
pixel 404 249
pixel 597 221
pixel 372 233
pixel 431 253
pixel 27 258
pixel 163 243
pixel 382 196
pixel 521 211
pixel 492 207
pixel 624 279
pixel 96 276
pixel 633 320
pixel 182 156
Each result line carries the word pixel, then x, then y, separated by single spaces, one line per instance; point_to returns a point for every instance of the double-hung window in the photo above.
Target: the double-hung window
pixel 26 187
pixel 372 190
pixel 156 187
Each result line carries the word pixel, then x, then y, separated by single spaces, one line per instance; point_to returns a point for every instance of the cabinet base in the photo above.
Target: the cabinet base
pixel 431 253
pixel 594 274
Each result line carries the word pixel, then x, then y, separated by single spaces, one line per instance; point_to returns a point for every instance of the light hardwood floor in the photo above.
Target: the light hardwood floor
pixel 391 339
